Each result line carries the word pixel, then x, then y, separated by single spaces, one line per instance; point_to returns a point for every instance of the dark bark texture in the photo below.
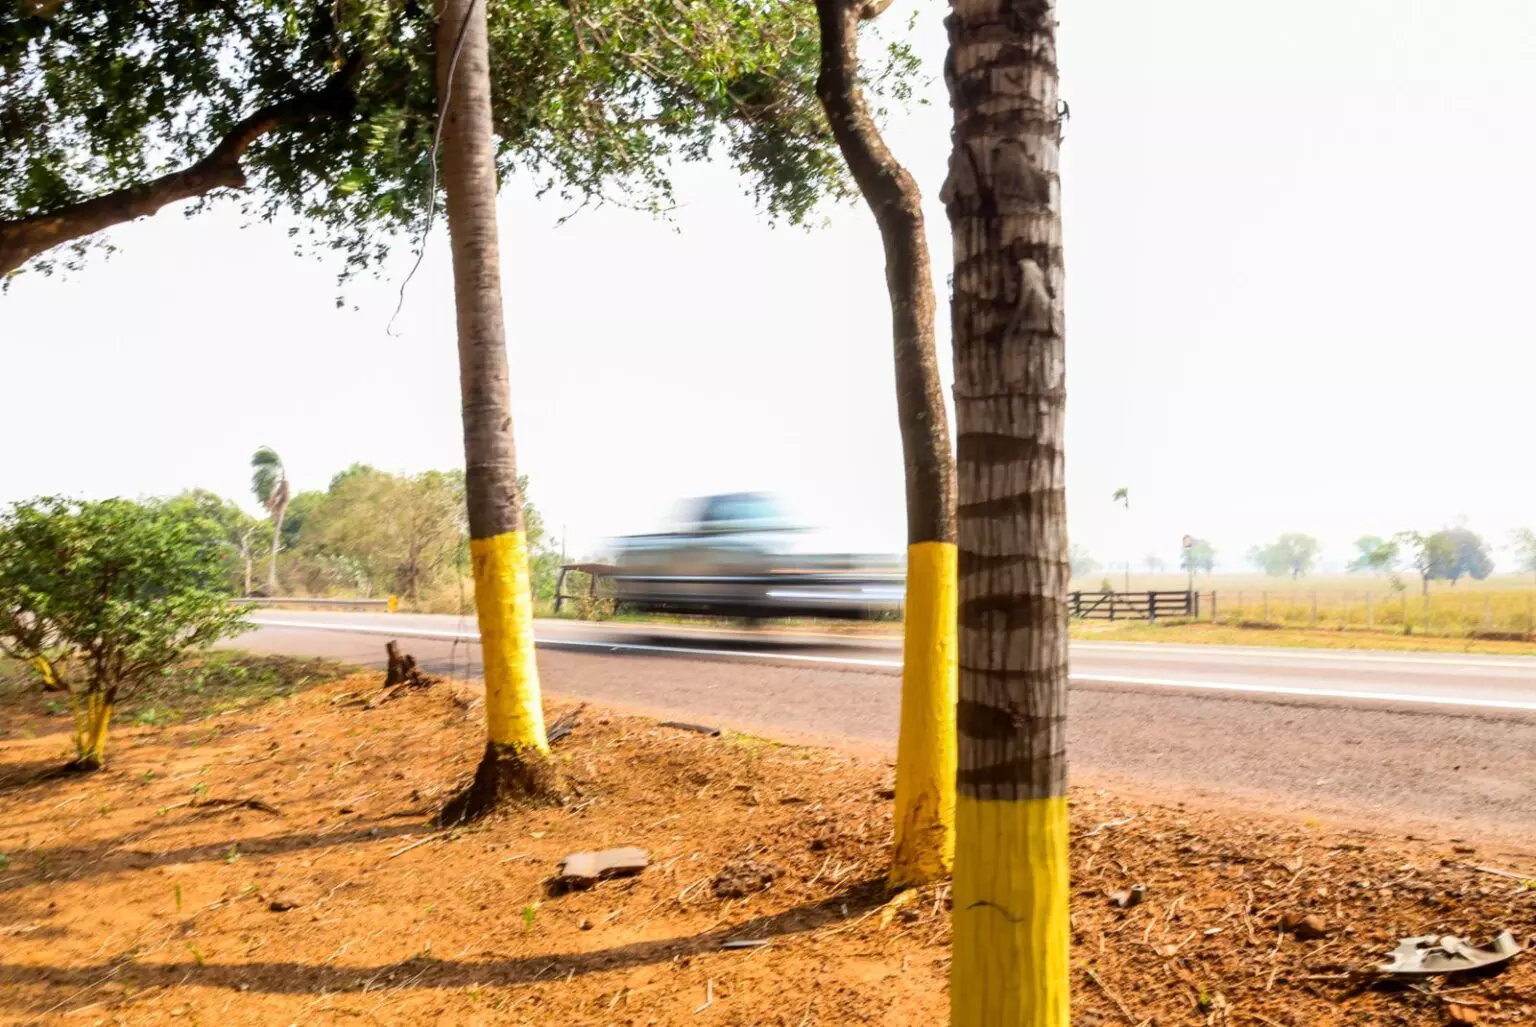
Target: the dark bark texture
pixel 894 199
pixel 1003 199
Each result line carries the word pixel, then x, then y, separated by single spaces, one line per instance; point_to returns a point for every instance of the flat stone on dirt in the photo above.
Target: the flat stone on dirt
pixel 584 869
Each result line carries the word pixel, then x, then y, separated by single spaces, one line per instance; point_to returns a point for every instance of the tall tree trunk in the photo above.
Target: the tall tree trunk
pixel 925 760
pixel 277 544
pixel 1010 962
pixel 516 761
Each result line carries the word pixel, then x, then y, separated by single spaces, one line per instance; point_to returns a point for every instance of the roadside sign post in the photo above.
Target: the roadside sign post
pixel 1189 564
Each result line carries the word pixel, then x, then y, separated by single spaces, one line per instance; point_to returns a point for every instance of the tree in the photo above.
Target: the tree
pixel 102 597
pixel 1432 555
pixel 1523 541
pixel 327 111
pixel 1293 554
pixel 543 550
pixel 1374 554
pixel 923 848
pixel 243 534
pixel 1155 564
pixel 1011 932
pixel 1447 555
pixel 1082 565
pixel 1123 497
pixel 1200 557
pixel 516 762
pixel 269 481
pixel 399 533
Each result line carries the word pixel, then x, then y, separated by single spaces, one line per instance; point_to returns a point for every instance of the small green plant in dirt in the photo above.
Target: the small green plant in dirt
pixel 529 912
pixel 233 856
pixel 5 862
pixel 100 598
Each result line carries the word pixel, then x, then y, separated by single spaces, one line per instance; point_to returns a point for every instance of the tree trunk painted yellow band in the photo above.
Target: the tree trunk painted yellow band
pixel 1011 942
pixel 45 669
pixel 925 751
pixel 514 713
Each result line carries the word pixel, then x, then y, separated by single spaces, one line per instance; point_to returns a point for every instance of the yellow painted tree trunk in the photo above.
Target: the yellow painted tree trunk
pixel 91 723
pixel 1010 963
pixel 925 756
pixel 516 762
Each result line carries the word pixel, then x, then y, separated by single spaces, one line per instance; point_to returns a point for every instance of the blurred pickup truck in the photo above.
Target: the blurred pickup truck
pixel 738 555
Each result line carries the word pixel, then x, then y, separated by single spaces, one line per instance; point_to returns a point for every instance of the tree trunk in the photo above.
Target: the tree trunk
pixel 1010 960
pixel 91 730
pixel 925 760
pixel 516 761
pixel 277 543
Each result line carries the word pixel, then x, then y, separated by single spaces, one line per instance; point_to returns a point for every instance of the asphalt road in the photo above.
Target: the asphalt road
pixel 1439 743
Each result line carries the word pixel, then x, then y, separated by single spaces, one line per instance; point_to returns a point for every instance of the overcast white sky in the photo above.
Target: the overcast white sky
pixel 1298 258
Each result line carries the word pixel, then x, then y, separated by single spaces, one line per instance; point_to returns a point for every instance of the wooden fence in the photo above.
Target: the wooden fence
pixel 1150 605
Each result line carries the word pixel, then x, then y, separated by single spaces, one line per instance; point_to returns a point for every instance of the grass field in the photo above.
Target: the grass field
pixel 1501 607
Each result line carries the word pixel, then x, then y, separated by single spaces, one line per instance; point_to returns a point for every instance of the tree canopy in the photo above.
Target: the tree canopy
pixel 1292 553
pixel 1448 555
pixel 1374 554
pixel 1200 557
pixel 111 110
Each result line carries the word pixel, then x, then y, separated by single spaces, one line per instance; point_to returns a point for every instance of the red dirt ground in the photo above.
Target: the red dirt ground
pixel 133 897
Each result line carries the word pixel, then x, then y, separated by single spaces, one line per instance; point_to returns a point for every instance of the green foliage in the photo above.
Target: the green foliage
pixel 594 101
pixel 543 550
pixel 1293 553
pixel 384 532
pixel 244 536
pixel 1201 557
pixel 110 594
pixel 1374 554
pixel 1122 496
pixel 269 481
pixel 1448 555
pixel 1523 542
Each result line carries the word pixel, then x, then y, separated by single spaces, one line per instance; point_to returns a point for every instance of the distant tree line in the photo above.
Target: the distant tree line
pixel 1449 554
pixel 369 533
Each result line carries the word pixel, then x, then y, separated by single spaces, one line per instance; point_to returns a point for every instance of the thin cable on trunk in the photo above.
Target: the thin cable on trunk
pixel 437 138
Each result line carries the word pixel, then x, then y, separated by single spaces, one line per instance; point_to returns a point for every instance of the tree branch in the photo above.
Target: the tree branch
pixel 21 239
pixel 882 180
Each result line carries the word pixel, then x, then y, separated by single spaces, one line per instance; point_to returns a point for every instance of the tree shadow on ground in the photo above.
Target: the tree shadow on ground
pixel 422 971
pixel 68 863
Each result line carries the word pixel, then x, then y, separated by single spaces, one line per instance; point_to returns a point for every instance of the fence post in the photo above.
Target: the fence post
pixel 1213 606
pixel 1152 606
pixel 1370 612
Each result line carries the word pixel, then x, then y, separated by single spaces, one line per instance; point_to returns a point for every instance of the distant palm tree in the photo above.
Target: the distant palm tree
pixel 269 480
pixel 1123 497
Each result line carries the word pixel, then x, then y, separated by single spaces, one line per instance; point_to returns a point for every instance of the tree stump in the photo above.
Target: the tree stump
pixel 402 669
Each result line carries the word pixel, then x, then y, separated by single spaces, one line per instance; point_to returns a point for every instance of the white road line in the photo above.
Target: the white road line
pixel 1173 650
pixel 1309 693
pixel 844 661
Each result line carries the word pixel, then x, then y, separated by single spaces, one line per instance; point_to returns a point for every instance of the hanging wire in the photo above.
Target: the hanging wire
pixel 437 139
